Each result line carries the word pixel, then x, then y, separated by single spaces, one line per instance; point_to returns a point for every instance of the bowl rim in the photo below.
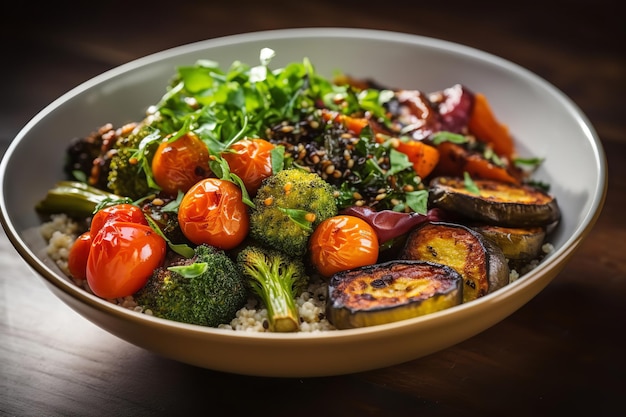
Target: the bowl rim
pixel 560 255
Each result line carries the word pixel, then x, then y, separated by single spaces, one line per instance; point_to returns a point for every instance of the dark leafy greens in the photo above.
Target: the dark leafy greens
pixel 222 107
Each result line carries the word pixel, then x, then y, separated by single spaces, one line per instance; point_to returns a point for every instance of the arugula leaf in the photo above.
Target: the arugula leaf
pixel 418 201
pixel 399 161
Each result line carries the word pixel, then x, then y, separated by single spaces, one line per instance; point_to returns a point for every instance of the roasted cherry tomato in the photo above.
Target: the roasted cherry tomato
pixel 179 164
pixel 119 212
pixel 250 160
pixel 122 258
pixel 213 212
pixel 77 258
pixel 343 242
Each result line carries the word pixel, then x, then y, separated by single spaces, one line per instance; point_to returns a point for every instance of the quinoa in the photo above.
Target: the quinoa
pixel 61 231
pixel 311 307
pixel 514 274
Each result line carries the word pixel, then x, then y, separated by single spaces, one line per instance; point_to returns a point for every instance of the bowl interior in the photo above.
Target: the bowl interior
pixel 544 121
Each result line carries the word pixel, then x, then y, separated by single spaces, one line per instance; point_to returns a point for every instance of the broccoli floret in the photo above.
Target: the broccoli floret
pixel 127 173
pixel 288 206
pixel 277 280
pixel 207 289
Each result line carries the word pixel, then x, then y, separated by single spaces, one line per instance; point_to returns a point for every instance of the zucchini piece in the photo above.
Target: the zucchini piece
pixel 497 203
pixel 391 291
pixel 516 243
pixel 75 199
pixel 479 261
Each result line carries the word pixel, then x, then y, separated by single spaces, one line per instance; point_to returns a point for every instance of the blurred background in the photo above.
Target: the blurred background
pixel 51 47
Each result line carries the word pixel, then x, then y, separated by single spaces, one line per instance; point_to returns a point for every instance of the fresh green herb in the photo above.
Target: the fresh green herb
pixel 418 201
pixel 493 157
pixel 277 155
pixel 181 249
pixel 441 137
pixel 531 163
pixel 469 183
pixel 190 271
pixel 399 162
pixel 300 217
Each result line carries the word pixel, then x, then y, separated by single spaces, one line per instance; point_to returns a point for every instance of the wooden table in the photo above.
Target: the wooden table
pixel 562 353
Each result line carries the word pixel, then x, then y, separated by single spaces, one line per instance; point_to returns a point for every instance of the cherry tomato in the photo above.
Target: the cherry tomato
pixel 213 212
pixel 122 258
pixel 250 160
pixel 180 164
pixel 77 258
pixel 119 212
pixel 343 242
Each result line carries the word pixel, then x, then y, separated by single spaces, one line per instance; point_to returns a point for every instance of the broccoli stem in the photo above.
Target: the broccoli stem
pixel 74 198
pixel 275 288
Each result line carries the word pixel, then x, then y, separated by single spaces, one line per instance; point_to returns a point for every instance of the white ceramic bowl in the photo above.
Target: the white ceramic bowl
pixel 545 122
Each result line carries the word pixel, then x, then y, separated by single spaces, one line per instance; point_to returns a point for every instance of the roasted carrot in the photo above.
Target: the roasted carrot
pixel 353 124
pixel 486 127
pixel 454 160
pixel 424 157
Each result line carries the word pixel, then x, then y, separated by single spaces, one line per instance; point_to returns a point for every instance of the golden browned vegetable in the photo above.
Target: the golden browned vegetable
pixel 480 262
pixel 496 202
pixel 516 243
pixel 391 291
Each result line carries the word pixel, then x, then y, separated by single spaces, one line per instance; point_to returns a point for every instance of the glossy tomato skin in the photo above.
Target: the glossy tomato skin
pixel 179 164
pixel 122 257
pixel 119 212
pixel 77 258
pixel 251 160
pixel 343 242
pixel 212 212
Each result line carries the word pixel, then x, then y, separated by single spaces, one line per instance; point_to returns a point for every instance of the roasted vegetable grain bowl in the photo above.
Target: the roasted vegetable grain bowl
pixel 544 123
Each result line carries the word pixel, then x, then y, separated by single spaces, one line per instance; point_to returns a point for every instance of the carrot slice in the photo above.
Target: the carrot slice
pixel 353 124
pixel 486 127
pixel 454 160
pixel 424 157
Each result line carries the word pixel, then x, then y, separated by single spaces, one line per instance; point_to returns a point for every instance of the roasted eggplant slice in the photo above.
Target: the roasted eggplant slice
pixel 391 291
pixel 479 261
pixel 496 203
pixel 516 243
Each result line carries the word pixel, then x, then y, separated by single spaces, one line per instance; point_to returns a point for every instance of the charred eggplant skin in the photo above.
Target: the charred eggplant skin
pixel 498 203
pixel 391 291
pixel 480 262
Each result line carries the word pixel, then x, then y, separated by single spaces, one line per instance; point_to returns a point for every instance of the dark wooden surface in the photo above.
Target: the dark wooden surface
pixel 562 353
